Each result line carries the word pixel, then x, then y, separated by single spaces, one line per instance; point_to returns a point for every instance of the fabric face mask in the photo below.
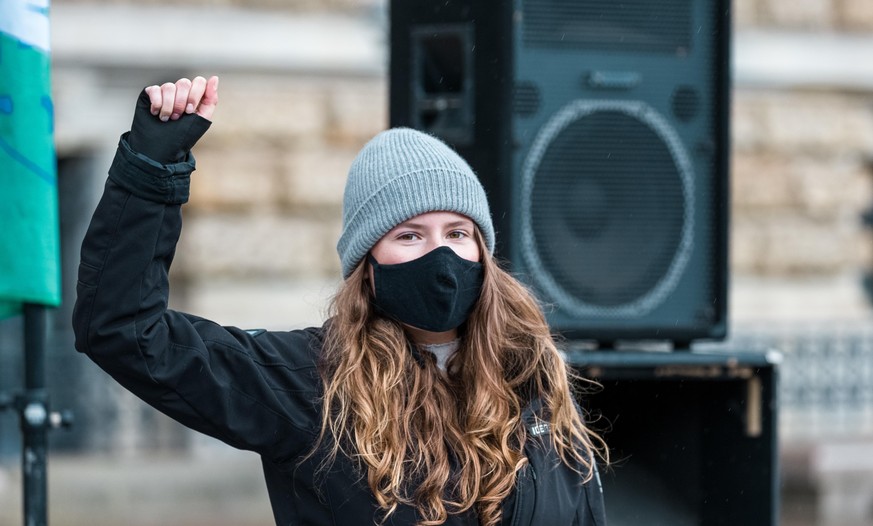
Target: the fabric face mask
pixel 435 292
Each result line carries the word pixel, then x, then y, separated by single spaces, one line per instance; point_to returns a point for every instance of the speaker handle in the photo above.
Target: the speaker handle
pixel 613 80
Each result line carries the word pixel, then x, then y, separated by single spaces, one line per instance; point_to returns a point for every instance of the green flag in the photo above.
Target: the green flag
pixel 29 258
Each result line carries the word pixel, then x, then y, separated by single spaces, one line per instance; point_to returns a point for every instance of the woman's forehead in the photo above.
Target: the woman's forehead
pixel 436 218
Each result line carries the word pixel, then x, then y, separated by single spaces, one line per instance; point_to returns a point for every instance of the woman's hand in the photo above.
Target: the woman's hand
pixel 169 119
pixel 170 100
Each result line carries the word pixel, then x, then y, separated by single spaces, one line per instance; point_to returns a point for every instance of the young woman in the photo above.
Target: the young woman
pixel 433 394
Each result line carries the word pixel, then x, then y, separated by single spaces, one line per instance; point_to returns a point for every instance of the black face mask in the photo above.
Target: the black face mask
pixel 435 292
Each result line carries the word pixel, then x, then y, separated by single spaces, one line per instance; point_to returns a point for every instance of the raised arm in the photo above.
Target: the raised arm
pixel 252 391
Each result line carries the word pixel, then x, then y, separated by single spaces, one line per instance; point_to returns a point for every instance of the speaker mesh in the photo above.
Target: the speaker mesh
pixel 628 25
pixel 607 208
pixel 526 99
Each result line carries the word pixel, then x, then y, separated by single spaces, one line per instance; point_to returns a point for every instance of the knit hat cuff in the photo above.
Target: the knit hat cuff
pixel 390 205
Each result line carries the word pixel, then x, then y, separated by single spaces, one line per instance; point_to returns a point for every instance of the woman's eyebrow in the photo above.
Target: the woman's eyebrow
pixel 420 226
pixel 409 224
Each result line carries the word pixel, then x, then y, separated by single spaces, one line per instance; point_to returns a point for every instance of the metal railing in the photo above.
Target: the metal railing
pixel 826 375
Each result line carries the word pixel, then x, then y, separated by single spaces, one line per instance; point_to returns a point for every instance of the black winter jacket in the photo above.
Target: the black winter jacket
pixel 255 390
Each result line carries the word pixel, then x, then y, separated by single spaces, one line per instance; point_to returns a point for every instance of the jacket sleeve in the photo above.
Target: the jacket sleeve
pixel 252 392
pixel 591 511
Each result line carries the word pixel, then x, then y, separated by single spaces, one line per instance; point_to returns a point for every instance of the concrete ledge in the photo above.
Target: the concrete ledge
pixel 844 473
pixel 783 59
pixel 225 489
pixel 226 37
pixel 327 43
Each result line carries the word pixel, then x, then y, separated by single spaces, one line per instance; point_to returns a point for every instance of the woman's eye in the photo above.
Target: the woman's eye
pixel 408 236
pixel 457 234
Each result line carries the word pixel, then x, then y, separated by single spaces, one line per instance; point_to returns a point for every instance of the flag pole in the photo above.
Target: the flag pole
pixel 35 419
pixel 29 253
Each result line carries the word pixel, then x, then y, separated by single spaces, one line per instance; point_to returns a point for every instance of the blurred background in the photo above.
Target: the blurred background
pixel 303 86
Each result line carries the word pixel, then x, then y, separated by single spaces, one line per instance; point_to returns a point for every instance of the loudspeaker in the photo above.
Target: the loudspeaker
pixel 600 132
pixel 692 436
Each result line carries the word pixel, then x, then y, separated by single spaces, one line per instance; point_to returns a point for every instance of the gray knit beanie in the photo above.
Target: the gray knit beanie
pixel 400 174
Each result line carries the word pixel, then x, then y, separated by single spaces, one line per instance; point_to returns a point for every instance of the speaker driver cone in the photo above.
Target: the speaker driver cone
pixel 607 208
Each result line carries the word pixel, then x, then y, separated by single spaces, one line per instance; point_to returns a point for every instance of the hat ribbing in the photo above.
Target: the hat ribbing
pixel 400 174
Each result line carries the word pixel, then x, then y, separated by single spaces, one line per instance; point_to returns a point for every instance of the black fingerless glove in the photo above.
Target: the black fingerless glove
pixel 164 142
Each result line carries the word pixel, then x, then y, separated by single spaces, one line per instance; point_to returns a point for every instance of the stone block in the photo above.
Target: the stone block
pixel 273 304
pixel 746 13
pixel 804 14
pixel 277 5
pixel 837 186
pixel 816 186
pixel 304 5
pixel 748 122
pixel 780 306
pixel 761 181
pixel 786 243
pixel 256 244
pixel 241 176
pixel 845 470
pixel 817 123
pixel 865 250
pixel 148 489
pixel 747 246
pixel 315 175
pixel 855 15
pixel 270 107
pixel 357 110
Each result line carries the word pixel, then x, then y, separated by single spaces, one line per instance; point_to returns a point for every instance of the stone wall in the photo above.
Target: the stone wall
pixel 801 171
pixel 266 203
pixel 271 5
pixel 266 198
pixel 801 180
pixel 258 246
pixel 801 176
pixel 815 15
pixel 258 249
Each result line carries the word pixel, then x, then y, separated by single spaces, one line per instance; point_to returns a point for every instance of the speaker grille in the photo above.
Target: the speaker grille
pixel 607 208
pixel 526 99
pixel 630 25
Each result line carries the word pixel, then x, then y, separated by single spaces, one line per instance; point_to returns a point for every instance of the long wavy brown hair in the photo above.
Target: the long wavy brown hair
pixel 445 443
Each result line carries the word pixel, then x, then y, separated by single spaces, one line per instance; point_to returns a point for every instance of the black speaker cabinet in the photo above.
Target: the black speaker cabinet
pixel 600 132
pixel 693 436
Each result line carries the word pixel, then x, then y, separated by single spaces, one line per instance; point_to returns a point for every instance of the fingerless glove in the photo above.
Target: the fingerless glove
pixel 164 142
